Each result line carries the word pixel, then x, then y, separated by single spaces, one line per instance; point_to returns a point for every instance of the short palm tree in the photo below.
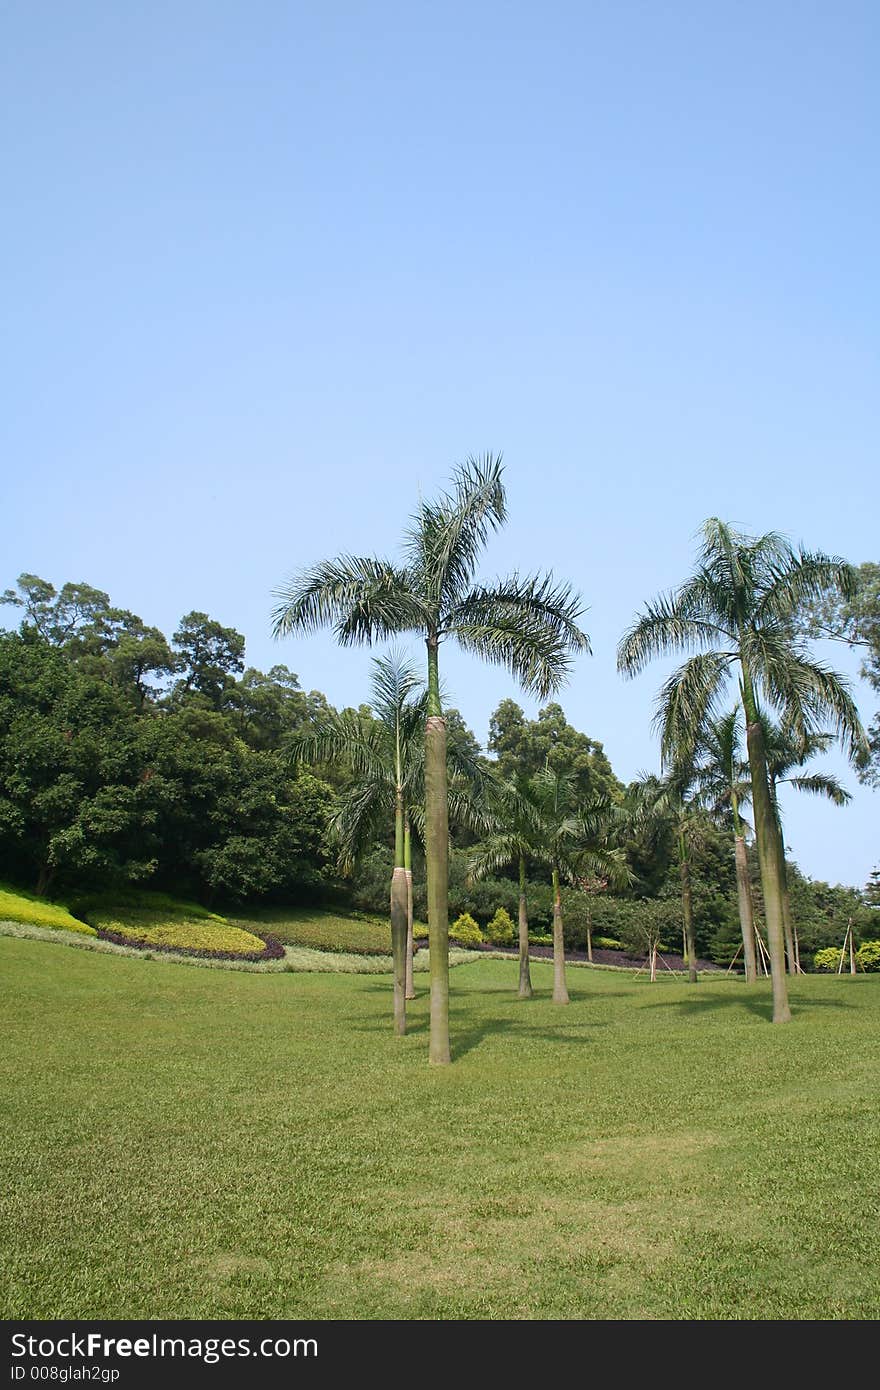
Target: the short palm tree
pixel 386 755
pixel 723 787
pixel 739 610
pixel 530 625
pixel 513 824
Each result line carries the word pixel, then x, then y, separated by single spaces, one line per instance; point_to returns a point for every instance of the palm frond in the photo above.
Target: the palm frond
pixel 446 536
pixel 498 852
pixel 361 598
pixel 361 815
pixel 802 578
pixel 393 682
pixel 805 690
pixel 346 736
pixel 821 784
pixel 664 627
pixel 686 702
pixel 529 625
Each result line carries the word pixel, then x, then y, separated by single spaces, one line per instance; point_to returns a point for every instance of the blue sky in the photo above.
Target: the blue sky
pixel 272 269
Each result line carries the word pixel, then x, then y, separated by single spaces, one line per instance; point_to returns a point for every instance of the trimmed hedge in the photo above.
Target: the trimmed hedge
pixel 194 939
pixel 155 922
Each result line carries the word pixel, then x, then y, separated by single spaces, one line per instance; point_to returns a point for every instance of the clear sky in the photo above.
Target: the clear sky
pixel 272 268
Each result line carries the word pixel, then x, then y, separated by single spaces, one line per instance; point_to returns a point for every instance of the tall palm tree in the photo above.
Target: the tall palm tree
pixel 527 624
pixel 386 755
pixel 739 610
pixel 723 787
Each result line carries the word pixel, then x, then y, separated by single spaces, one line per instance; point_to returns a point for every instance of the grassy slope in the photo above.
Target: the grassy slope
pixel 322 931
pixel 191 1143
pixel 18 906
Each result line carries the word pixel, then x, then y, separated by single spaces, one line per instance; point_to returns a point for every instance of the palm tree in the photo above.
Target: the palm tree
pixel 669 804
pixel 551 828
pixel 513 823
pixel 386 755
pixel 527 624
pixel 786 753
pixel 739 610
pixel 722 779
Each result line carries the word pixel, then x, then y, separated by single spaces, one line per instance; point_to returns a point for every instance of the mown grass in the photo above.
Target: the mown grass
pixel 191 1143
pixel 18 906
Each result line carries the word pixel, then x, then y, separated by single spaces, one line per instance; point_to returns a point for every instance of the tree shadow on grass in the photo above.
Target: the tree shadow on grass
pixel 761 1005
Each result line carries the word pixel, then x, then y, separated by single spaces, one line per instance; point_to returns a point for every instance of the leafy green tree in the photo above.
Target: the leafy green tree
pixel 529 625
pixel 104 641
pixel 72 802
pixel 209 656
pixel 740 611
pixel 523 747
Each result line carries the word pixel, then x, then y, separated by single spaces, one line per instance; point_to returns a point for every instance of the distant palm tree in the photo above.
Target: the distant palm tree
pixel 512 828
pixel 550 827
pixel 739 610
pixel 527 624
pixel 669 804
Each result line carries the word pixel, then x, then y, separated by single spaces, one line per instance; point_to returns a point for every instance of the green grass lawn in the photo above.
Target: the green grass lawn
pixel 185 1143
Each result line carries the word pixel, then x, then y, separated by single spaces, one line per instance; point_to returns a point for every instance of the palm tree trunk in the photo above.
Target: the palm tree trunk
pixel 398 922
pixel 768 851
pixel 525 979
pixel 786 902
pixel 743 891
pixel 437 863
pixel 687 910
pixel 410 943
pixel 560 991
pixel 746 914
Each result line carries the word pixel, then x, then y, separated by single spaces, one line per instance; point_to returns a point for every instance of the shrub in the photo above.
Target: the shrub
pixel 868 955
pixel 607 943
pixel 828 958
pixel 420 931
pixel 465 930
pixel 17 906
pixel 500 929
